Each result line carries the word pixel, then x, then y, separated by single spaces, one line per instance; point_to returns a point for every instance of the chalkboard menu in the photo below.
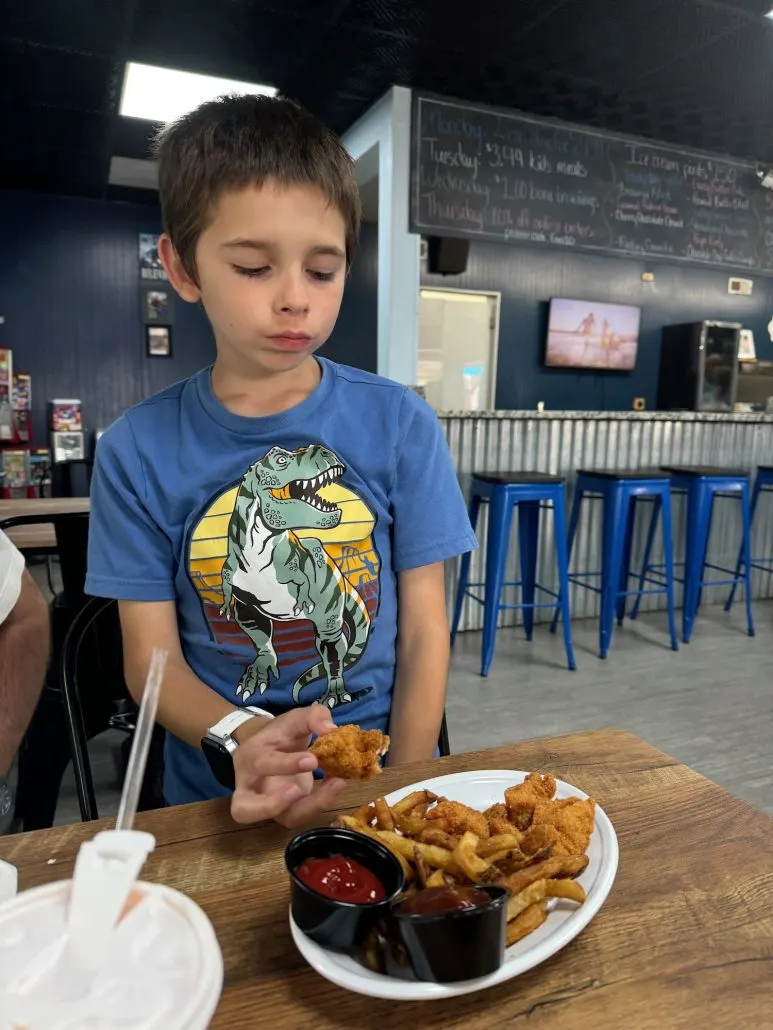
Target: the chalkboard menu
pixel 487 174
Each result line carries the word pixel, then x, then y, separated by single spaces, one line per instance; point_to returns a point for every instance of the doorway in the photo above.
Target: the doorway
pixel 458 339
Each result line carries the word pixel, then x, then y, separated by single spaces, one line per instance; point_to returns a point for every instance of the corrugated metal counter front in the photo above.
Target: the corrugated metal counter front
pixel 561 442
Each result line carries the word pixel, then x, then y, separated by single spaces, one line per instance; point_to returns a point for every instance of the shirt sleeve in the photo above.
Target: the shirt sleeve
pixel 11 571
pixel 430 517
pixel 130 554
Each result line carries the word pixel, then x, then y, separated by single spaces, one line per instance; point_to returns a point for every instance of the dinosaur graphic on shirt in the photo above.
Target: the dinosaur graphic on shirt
pixel 271 575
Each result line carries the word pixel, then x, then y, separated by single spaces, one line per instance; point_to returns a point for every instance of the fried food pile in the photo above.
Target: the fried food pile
pixel 351 753
pixel 532 843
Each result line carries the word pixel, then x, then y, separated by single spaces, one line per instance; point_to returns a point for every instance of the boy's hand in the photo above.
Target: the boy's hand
pixel 274 770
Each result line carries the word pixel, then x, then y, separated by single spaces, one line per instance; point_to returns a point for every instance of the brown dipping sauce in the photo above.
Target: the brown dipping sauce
pixel 443 899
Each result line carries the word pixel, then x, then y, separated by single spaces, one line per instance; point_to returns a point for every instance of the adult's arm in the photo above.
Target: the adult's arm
pixel 24 652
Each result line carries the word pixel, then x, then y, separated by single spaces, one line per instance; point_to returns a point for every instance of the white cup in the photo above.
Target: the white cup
pixel 163 968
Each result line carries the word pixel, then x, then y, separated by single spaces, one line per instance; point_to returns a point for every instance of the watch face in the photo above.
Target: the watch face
pixel 220 762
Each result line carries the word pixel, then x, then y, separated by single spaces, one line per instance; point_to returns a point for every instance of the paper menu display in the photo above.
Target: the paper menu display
pixel 67 446
pixel 22 391
pixel 16 468
pixel 40 467
pixel 66 416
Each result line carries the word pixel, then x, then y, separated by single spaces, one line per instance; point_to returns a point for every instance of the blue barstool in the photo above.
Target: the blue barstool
pixel 530 491
pixel 702 484
pixel 762 484
pixel 620 490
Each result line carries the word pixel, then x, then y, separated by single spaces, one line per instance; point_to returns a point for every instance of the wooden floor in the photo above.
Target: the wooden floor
pixel 710 705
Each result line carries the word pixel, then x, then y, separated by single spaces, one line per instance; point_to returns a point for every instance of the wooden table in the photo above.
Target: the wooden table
pixel 684 940
pixel 40 537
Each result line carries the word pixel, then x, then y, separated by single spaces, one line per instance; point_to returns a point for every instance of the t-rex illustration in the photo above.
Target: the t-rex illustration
pixel 270 575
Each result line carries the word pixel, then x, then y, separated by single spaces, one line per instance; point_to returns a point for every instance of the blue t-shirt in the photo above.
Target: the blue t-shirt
pixel 279 539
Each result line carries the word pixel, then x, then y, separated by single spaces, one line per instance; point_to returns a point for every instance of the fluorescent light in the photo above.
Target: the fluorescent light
pixel 770 13
pixel 163 94
pixel 129 171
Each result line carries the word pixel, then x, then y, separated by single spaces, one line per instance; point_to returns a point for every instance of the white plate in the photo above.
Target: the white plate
pixel 565 921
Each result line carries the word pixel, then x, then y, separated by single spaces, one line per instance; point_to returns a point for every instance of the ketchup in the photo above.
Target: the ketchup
pixel 342 879
pixel 444 899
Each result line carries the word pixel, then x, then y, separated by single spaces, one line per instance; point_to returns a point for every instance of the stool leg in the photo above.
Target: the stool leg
pixel 625 565
pixel 500 520
pixel 664 505
pixel 704 558
pixel 645 565
pixel 699 503
pixel 613 541
pixel 755 497
pixel 528 536
pixel 464 573
pixel 746 530
pixel 573 520
pixel 562 559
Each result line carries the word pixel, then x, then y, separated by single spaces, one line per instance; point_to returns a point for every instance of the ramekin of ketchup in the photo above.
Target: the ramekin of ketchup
pixel 341 884
pixel 453 933
pixel 343 879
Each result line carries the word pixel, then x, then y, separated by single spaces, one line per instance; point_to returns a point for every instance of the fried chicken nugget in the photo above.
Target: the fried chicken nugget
pixel 351 753
pixel 499 822
pixel 520 800
pixel 567 824
pixel 456 819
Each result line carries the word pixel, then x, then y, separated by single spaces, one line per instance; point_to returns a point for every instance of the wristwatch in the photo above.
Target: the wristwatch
pixel 219 746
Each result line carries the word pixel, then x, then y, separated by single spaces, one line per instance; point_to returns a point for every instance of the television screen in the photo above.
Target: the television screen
pixel 585 334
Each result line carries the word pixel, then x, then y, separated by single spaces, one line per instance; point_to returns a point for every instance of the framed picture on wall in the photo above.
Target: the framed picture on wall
pixel 150 263
pixel 157 304
pixel 158 341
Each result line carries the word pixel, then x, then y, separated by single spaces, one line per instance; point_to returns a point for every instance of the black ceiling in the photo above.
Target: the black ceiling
pixel 692 72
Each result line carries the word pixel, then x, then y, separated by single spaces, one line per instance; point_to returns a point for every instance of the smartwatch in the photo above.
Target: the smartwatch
pixel 219 746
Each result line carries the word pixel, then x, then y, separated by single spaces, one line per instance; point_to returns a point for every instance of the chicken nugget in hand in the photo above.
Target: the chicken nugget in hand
pixel 351 753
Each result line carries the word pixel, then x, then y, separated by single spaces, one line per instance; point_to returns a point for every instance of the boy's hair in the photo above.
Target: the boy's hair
pixel 238 141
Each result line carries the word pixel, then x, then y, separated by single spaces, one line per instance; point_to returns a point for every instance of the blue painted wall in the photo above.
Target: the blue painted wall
pixel 69 292
pixel 528 277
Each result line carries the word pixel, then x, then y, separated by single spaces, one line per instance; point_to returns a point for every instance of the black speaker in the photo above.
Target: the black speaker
pixel 447 255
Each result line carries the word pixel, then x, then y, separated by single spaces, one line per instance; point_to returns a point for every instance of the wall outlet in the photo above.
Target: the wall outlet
pixel 740 287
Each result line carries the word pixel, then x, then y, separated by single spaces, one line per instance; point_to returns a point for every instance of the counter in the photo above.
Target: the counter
pixel 563 441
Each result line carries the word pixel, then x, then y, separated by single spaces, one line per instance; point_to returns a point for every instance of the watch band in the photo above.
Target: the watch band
pixel 227 726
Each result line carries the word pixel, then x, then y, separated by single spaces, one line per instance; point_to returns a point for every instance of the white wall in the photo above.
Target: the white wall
pixel 380 140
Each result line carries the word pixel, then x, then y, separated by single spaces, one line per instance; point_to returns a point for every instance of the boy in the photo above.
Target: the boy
pixel 260 520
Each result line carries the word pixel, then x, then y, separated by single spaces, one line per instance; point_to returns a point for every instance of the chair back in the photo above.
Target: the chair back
pixel 444 747
pixel 72 537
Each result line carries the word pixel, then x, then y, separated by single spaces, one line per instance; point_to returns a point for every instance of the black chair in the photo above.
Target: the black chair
pixel 92 668
pixel 443 744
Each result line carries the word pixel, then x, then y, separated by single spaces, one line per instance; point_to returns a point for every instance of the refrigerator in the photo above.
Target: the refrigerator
pixel 699 366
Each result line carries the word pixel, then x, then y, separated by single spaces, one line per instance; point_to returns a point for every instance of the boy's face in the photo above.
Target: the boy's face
pixel 271 266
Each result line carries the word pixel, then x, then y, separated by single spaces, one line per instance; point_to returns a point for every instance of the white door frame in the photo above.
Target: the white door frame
pixel 497 298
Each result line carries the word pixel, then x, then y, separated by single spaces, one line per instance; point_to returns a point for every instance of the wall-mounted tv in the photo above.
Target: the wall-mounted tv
pixel 587 334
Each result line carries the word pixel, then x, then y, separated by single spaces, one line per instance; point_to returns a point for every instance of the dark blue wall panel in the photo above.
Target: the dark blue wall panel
pixel 69 291
pixel 528 277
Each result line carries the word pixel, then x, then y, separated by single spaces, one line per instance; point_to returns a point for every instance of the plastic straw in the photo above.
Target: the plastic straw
pixel 138 758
